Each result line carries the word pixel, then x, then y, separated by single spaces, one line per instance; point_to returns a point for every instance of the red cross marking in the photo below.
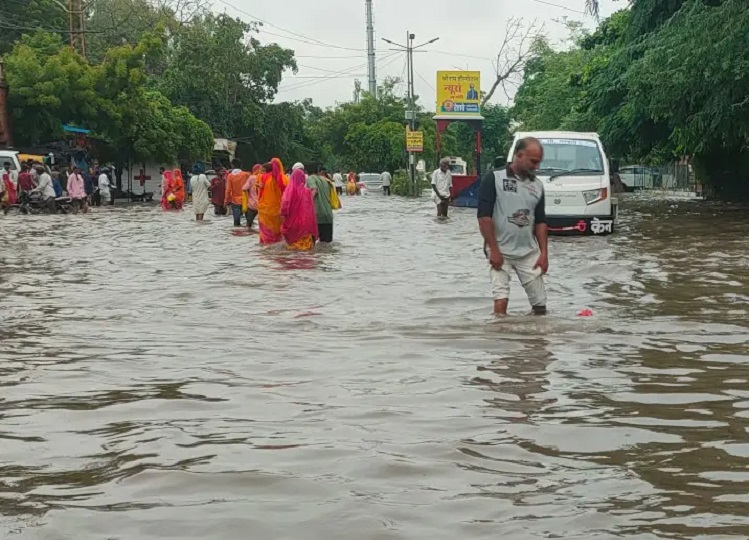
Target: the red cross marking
pixel 142 177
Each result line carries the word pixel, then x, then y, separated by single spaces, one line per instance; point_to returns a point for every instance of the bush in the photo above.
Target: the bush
pixel 403 187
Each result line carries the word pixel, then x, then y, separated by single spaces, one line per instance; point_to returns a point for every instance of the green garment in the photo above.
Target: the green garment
pixel 323 207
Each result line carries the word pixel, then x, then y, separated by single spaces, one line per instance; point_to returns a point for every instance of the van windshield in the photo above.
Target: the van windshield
pixel 8 159
pixel 562 155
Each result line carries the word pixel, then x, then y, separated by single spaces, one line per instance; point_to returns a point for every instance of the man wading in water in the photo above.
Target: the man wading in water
pixel 512 220
pixel 442 183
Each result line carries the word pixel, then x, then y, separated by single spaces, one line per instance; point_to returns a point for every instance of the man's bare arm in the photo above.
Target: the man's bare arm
pixel 542 235
pixel 486 226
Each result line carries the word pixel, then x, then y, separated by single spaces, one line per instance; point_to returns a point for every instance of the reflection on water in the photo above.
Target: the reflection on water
pixel 166 379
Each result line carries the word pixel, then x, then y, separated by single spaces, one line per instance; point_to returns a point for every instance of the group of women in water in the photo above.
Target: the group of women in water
pixel 285 205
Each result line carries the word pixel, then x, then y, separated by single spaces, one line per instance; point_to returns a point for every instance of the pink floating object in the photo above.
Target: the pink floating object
pixel 307 314
pixel 585 313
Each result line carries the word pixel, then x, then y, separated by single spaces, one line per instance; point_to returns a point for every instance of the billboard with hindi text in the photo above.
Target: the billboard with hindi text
pixel 414 141
pixel 458 93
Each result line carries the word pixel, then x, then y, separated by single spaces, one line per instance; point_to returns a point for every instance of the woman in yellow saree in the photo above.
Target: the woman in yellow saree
pixel 270 186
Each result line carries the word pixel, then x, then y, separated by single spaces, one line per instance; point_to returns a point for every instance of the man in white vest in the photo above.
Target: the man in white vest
pixel 512 220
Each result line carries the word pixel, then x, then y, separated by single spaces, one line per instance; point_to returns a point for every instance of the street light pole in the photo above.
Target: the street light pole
pixel 411 107
pixel 411 113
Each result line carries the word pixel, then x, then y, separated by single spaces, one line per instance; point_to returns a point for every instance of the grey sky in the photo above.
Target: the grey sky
pixel 469 38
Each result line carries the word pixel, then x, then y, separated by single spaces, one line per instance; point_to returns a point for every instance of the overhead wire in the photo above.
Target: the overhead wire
pixel 319 69
pixel 347 73
pixel 313 41
pixel 446 53
pixel 10 25
pixel 343 74
pixel 402 78
pixel 328 57
pixel 567 8
pixel 430 85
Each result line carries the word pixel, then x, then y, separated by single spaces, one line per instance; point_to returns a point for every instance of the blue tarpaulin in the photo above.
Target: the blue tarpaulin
pixel 75 129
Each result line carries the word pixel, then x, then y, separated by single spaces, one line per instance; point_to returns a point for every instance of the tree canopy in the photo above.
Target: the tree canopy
pixel 51 85
pixel 660 81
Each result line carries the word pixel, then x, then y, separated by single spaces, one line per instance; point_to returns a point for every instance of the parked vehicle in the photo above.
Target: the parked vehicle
pixel 637 177
pixel 458 166
pixel 146 196
pixel 577 186
pixel 372 182
pixel 33 204
pixel 12 157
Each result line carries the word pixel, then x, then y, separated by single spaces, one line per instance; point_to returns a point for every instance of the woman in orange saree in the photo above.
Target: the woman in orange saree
pixel 270 187
pixel 167 187
pixel 178 189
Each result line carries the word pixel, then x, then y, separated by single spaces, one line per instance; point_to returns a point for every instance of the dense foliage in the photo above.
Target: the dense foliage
pixel 660 80
pixel 51 84
pixel 663 80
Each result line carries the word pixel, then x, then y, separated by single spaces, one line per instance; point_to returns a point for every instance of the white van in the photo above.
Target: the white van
pixel 577 186
pixel 12 157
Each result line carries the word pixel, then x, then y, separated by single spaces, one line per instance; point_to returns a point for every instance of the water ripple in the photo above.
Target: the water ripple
pixel 164 379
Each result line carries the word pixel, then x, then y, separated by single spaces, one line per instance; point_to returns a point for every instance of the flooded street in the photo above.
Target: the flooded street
pixel 166 379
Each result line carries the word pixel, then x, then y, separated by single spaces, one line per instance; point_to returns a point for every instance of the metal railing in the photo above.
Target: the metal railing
pixel 674 176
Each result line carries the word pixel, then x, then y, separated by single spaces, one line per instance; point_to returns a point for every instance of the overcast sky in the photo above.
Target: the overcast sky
pixel 470 34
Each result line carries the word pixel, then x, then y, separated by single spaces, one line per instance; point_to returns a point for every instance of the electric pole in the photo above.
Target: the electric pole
pixel 77 23
pixel 411 112
pixel 371 59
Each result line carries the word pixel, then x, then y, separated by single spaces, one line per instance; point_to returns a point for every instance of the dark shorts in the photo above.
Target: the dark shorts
pixel 78 203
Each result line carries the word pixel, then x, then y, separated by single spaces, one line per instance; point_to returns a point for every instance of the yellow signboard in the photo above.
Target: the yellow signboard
pixel 458 93
pixel 414 141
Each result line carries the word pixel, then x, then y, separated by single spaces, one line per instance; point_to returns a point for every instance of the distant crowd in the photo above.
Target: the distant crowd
pixel 46 186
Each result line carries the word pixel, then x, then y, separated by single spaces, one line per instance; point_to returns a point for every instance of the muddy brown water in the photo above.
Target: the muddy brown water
pixel 161 379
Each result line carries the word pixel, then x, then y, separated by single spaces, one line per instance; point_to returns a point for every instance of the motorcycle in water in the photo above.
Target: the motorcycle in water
pixel 33 203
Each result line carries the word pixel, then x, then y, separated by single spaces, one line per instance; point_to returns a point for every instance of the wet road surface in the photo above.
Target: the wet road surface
pixel 165 379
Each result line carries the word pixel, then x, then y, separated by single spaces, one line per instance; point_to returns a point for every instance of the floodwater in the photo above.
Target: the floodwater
pixel 161 379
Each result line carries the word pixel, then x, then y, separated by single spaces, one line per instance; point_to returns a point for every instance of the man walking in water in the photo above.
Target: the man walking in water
pixel 323 204
pixel 442 183
pixel 338 181
pixel 386 180
pixel 235 181
pixel 512 220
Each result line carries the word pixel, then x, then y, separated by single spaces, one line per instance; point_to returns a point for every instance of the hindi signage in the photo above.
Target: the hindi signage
pixel 459 93
pixel 414 141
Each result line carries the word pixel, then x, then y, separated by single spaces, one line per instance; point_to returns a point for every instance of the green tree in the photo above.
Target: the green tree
pixel 51 85
pixel 697 88
pixel 223 75
pixel 24 17
pixel 375 147
pixel 550 92
pixel 49 90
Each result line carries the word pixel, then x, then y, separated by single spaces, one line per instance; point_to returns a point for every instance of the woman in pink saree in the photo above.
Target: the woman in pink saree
pixel 9 195
pixel 299 227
